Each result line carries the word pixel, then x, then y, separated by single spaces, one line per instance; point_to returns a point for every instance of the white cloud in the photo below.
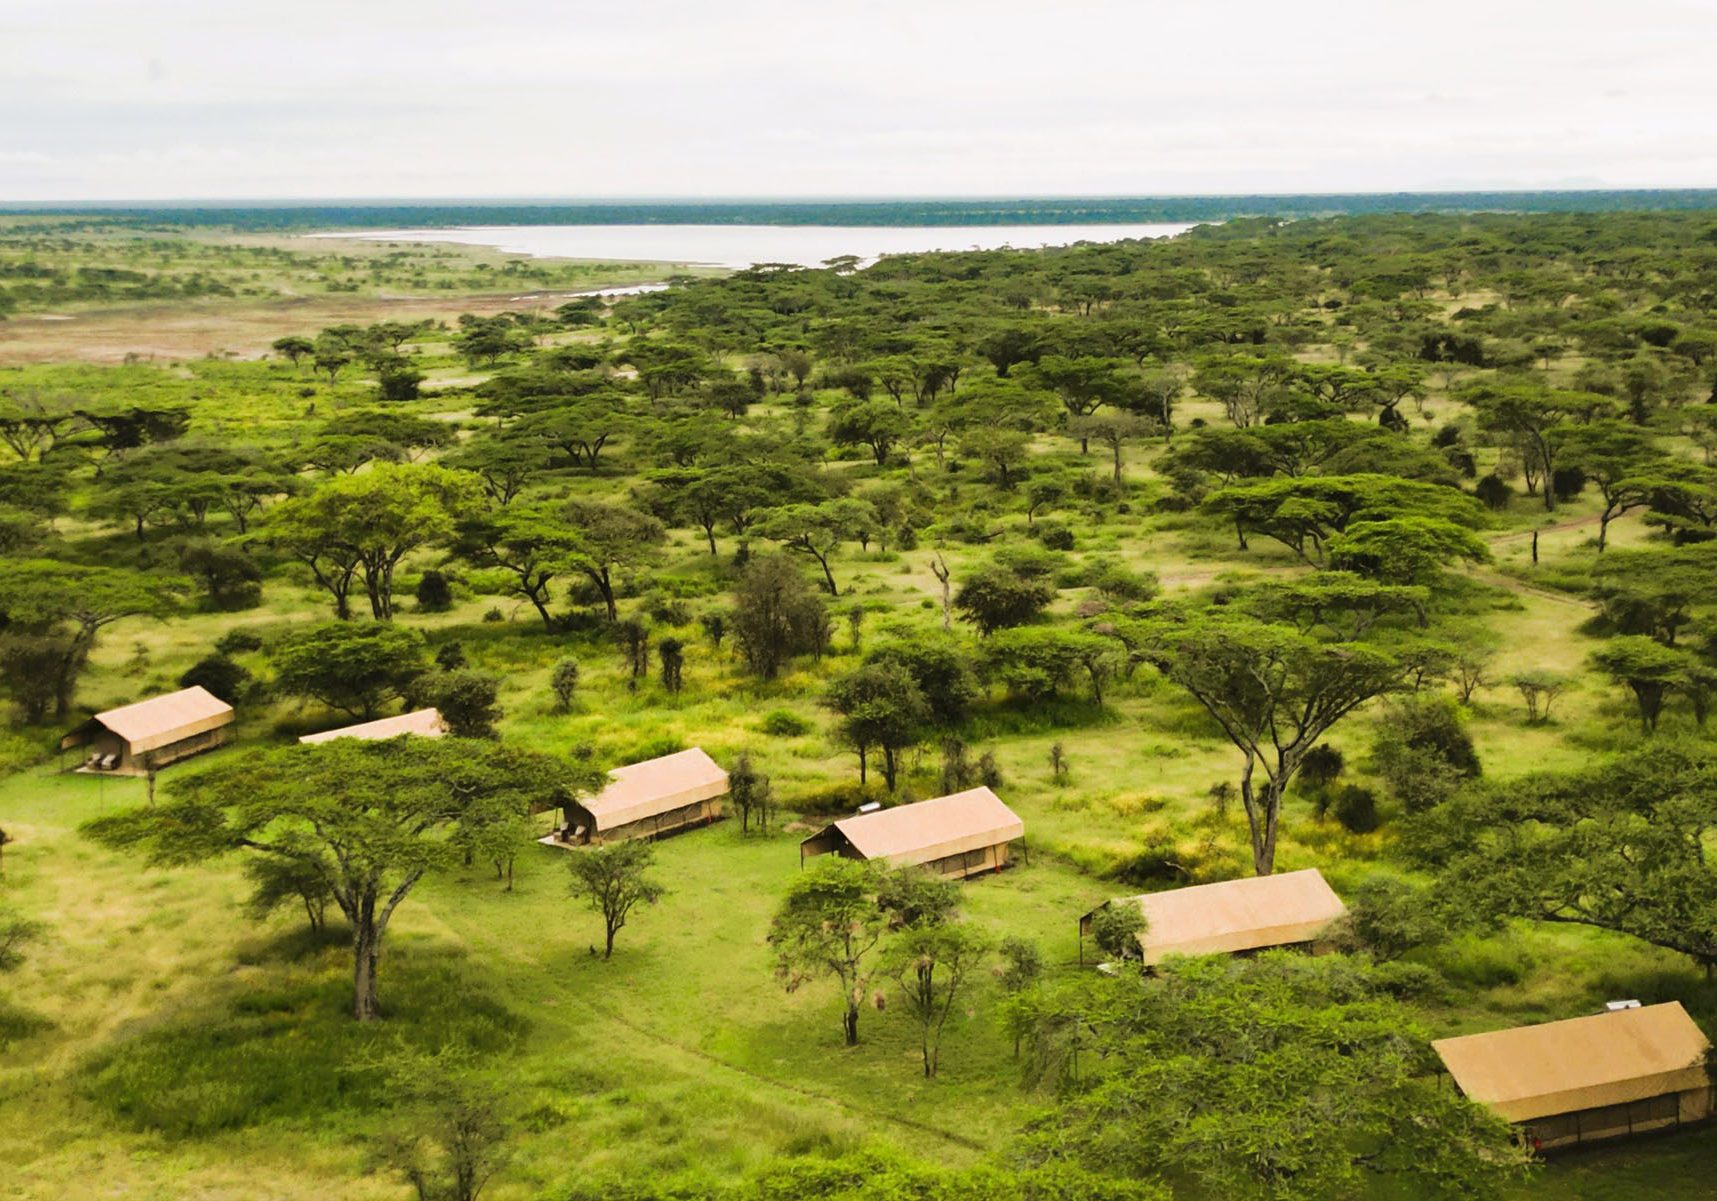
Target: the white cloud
pixel 198 98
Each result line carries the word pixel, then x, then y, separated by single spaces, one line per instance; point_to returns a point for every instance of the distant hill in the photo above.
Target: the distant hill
pixel 382 214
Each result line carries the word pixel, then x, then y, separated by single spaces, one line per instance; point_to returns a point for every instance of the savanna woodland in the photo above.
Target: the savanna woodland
pixel 1381 544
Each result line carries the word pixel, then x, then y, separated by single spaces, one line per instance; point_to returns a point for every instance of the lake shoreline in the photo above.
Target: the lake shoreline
pixel 735 247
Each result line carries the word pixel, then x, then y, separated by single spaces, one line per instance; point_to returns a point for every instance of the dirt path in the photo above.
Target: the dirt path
pixel 1560 527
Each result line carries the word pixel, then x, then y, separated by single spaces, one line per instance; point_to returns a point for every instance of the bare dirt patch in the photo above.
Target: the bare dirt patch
pixel 189 330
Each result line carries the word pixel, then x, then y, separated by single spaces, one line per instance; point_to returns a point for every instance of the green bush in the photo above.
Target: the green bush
pixel 1356 809
pixel 434 592
pixel 784 723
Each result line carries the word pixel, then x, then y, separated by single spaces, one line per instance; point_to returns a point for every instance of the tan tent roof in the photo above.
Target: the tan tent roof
pixel 1559 1067
pixel 426 723
pixel 1237 915
pixel 160 720
pixel 655 786
pixel 933 829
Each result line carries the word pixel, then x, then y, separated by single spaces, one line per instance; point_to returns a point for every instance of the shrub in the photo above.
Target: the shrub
pixel 1486 964
pixel 1389 917
pixel 1320 767
pixel 467 702
pixel 1356 809
pixel 1055 536
pixel 563 682
pixel 784 723
pixel 434 592
pixel 220 675
pixel 450 656
pixel 1493 492
pixel 235 642
pixel 1116 928
pixel 996 596
pixel 1423 751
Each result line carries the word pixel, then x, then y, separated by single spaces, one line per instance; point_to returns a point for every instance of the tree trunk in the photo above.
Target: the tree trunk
pixel 605 586
pixel 1263 811
pixel 366 951
pixel 608 941
pixel 849 1024
pixel 828 576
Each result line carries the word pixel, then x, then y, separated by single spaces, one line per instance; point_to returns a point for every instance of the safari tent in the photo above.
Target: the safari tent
pixel 1290 909
pixel 135 739
pixel 424 723
pixel 955 836
pixel 646 800
pixel 1585 1079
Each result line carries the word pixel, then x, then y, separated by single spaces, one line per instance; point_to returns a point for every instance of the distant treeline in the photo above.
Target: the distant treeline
pixel 1049 211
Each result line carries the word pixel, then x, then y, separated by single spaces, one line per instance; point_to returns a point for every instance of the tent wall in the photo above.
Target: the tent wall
pixel 950 867
pixel 1666 1111
pixel 577 818
pixel 971 863
pixel 103 742
pixel 172 752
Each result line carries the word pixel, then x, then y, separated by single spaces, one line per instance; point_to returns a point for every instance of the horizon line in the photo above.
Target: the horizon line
pixel 831 198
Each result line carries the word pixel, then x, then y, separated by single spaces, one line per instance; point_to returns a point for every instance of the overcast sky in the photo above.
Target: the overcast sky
pixel 110 99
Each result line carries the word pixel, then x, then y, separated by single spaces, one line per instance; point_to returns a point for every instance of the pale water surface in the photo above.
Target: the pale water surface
pixel 743 245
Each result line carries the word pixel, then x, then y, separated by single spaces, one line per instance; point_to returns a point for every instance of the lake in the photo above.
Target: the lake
pixel 742 245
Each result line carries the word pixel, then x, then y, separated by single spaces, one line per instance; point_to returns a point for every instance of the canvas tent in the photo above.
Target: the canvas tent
pixel 1290 909
pixel 955 836
pixel 1590 1078
pixel 425 723
pixel 645 800
pixel 134 739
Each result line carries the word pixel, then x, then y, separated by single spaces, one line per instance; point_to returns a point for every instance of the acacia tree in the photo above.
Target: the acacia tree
pixel 881 708
pixel 826 927
pixel 361 526
pixel 532 546
pixel 1114 430
pixel 453 1140
pixel 777 615
pixel 1618 845
pixel 1647 668
pixel 358 669
pixel 57 610
pixel 1311 1064
pixel 1305 513
pixel 751 793
pixel 614 879
pixel 819 530
pixel 1535 418
pixel 371 818
pixel 1618 460
pixel 932 964
pixel 1275 690
pixel 611 539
